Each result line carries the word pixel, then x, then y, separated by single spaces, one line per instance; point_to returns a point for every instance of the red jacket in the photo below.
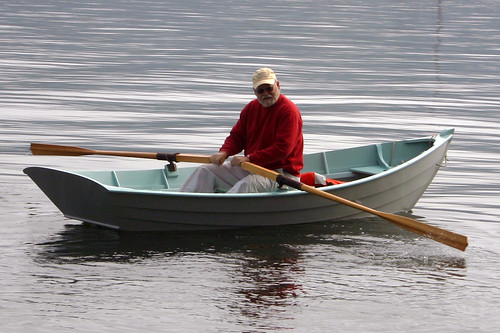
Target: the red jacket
pixel 270 137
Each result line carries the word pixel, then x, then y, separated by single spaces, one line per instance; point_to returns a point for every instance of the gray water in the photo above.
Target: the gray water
pixel 172 76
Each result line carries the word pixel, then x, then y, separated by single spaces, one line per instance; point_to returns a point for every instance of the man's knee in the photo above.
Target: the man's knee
pixel 253 184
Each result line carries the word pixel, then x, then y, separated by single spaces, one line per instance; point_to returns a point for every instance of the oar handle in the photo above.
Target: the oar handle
pixel 192 158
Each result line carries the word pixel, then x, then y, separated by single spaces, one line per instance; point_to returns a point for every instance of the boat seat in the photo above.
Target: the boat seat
pixel 381 165
pixel 369 169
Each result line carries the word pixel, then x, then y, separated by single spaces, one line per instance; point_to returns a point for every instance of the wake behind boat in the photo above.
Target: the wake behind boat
pixel 390 176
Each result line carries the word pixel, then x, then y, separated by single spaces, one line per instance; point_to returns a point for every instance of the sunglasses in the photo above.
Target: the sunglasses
pixel 268 89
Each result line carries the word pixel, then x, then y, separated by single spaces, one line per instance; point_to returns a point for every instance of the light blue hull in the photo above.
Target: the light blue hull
pixel 390 177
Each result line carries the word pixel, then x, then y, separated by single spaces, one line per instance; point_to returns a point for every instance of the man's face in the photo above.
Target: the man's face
pixel 268 94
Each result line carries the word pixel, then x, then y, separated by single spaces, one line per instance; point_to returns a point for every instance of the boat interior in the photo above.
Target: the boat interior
pixel 344 165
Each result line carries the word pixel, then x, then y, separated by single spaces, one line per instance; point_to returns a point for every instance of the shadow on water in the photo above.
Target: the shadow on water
pixel 369 238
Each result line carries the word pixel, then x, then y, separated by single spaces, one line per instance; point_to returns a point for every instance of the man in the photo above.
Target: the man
pixel 269 132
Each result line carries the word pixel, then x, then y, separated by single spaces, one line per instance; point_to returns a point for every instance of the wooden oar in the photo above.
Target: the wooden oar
pixel 44 149
pixel 443 236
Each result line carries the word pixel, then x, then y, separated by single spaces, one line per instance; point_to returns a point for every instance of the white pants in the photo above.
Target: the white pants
pixel 209 178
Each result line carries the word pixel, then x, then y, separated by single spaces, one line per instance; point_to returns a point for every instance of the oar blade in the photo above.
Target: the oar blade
pixel 440 235
pixel 45 149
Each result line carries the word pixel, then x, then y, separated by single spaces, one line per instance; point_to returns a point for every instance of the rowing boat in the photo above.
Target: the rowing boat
pixel 388 176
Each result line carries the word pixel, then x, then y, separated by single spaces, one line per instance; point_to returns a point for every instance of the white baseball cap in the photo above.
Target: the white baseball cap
pixel 263 76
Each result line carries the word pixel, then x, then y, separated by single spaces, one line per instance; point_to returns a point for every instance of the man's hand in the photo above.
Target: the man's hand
pixel 218 158
pixel 237 160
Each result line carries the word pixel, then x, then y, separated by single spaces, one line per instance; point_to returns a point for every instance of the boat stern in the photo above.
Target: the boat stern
pixel 75 196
